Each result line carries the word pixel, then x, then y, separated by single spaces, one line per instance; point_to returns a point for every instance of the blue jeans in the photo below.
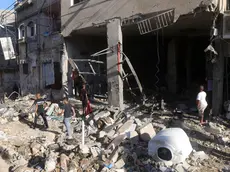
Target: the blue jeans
pixel 67 125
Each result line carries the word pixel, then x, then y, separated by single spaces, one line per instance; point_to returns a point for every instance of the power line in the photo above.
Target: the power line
pixel 8 7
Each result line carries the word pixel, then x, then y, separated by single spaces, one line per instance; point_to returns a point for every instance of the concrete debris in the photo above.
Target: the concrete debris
pixel 64 162
pixel 213 128
pixel 102 114
pixel 147 132
pixel 95 151
pixel 120 163
pixel 199 155
pixel 126 127
pixel 133 136
pixel 114 140
pixel 50 163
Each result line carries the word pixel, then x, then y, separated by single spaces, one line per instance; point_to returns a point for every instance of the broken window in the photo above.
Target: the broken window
pixel 31 29
pixel 25 67
pixel 21 32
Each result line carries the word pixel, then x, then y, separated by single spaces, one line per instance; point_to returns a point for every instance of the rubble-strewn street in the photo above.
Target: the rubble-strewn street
pixel 114 86
pixel 114 141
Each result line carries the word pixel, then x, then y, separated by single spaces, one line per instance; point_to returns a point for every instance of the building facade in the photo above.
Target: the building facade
pixel 165 41
pixel 40 44
pixel 9 75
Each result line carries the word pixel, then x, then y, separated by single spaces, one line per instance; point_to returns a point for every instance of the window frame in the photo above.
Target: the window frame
pixel 29 29
pixel 21 32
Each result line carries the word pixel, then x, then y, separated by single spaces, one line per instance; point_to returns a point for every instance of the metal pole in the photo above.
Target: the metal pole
pixel 83 132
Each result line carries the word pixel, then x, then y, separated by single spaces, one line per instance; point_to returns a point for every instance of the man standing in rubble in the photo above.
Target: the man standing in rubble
pixel 201 103
pixel 68 112
pixel 79 82
pixel 40 111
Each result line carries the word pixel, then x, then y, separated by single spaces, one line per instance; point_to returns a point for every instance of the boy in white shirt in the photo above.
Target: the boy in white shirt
pixel 201 103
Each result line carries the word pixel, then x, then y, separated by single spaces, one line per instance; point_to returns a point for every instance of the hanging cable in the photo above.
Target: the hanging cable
pixel 6 10
pixel 158 61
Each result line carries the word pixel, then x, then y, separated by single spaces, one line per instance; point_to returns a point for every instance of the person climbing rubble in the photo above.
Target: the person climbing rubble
pixel 68 111
pixel 201 103
pixel 40 111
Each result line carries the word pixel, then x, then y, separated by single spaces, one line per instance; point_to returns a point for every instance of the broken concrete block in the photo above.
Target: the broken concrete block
pixel 114 156
pixel 102 114
pixel 3 121
pixel 199 155
pixel 126 127
pixel 64 162
pixel 95 151
pixel 54 147
pixel 120 170
pixel 147 132
pixel 116 142
pixel 182 167
pixel 35 148
pixel 213 128
pixel 25 169
pixel 108 121
pixel 133 136
pixel 120 163
pixel 102 134
pixel 84 163
pixel 111 133
pixel 84 149
pixel 50 163
pixel 138 122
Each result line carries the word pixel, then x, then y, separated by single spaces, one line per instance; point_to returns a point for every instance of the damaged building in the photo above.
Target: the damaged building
pixel 40 45
pixel 9 78
pixel 165 41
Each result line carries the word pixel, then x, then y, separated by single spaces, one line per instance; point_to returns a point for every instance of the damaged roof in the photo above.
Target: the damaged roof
pixel 7 16
pixel 91 12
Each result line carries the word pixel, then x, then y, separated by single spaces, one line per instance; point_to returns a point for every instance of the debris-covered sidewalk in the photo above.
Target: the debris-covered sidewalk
pixel 139 138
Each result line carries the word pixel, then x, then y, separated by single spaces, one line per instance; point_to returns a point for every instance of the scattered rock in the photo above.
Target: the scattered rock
pixel 126 127
pixel 147 132
pixel 120 163
pixel 133 136
pixel 213 128
pixel 199 155
pixel 95 151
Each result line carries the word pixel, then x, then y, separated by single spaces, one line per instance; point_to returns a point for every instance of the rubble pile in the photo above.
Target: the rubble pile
pixel 10 110
pixel 140 138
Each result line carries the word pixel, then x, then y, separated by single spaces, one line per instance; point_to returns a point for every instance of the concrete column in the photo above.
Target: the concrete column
pixel 70 47
pixel 218 79
pixel 172 67
pixel 65 72
pixel 21 79
pixel 115 83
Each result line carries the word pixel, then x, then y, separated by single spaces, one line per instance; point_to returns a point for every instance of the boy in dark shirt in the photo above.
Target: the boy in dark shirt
pixel 67 111
pixel 39 110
